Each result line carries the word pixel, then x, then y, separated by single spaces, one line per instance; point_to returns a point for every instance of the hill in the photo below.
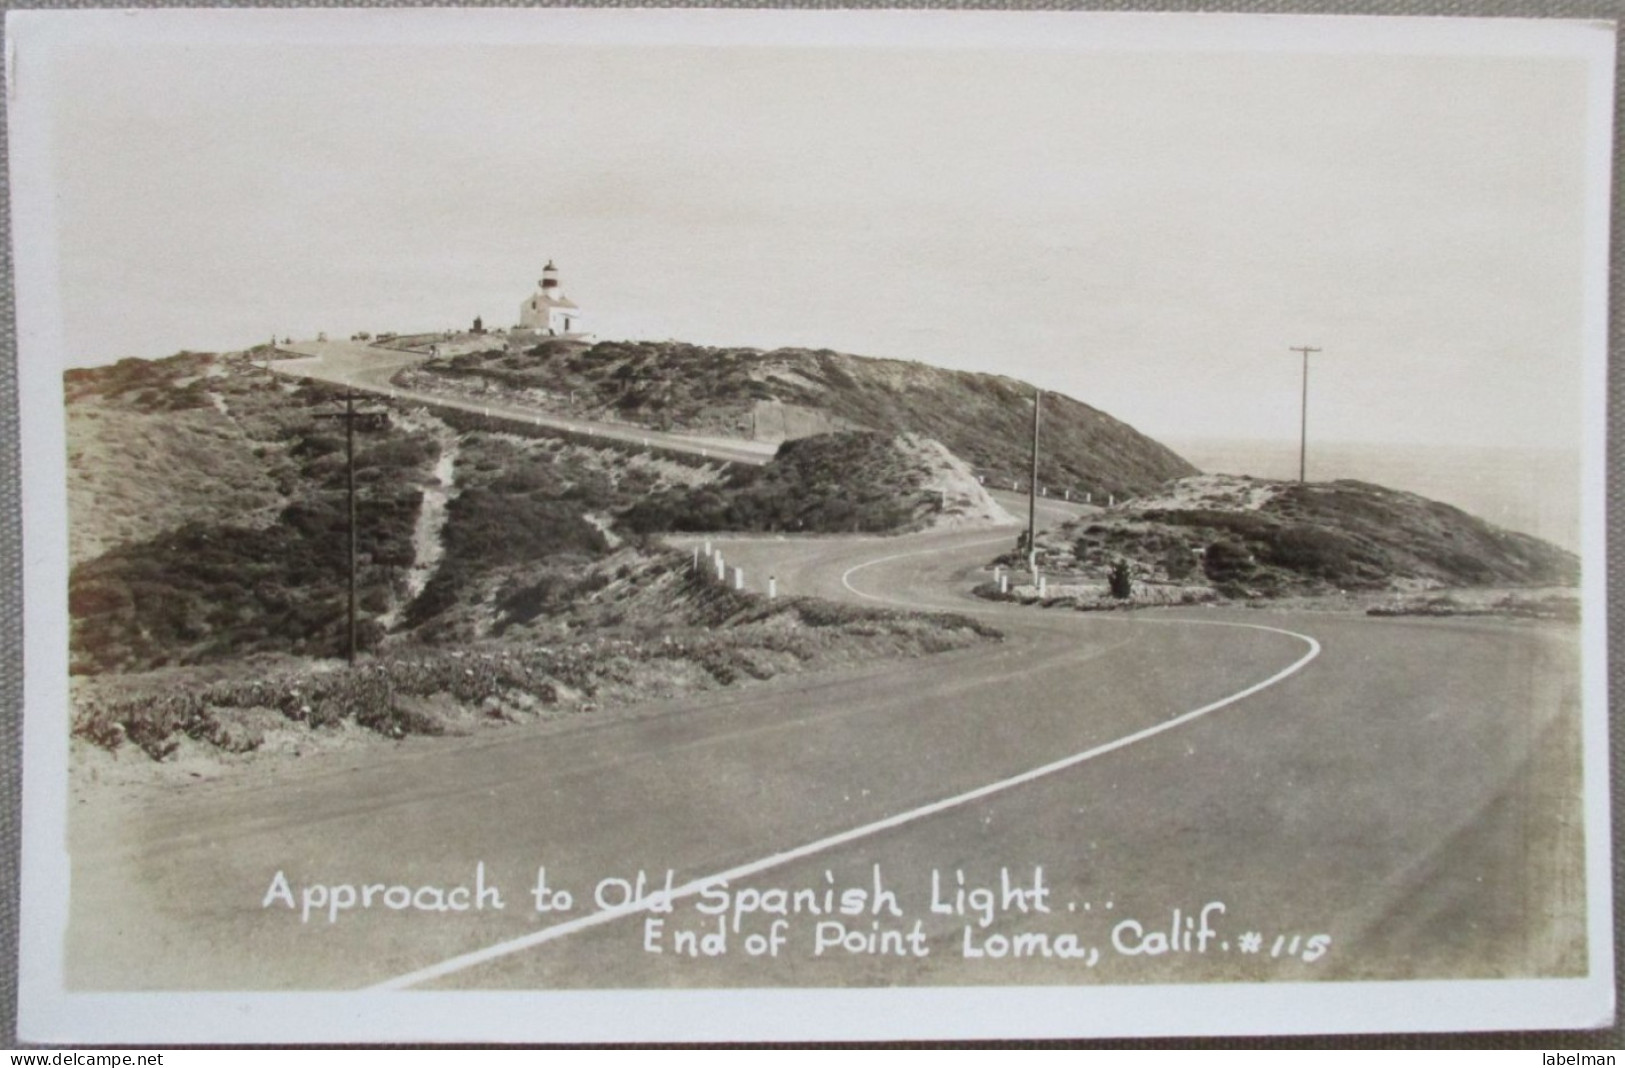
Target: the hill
pixel 497 581
pixel 153 445
pixel 984 419
pixel 1244 537
pixel 850 481
pixel 244 550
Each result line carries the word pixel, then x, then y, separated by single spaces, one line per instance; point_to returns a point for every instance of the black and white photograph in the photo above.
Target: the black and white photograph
pixel 606 525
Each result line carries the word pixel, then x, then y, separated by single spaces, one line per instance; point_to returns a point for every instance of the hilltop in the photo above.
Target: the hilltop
pixel 1242 537
pixel 781 394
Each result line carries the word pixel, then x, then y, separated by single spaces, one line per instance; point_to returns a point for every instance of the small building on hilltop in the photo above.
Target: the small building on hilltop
pixel 548 311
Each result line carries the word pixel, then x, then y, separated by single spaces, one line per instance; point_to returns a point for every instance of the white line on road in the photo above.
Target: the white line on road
pixel 846 576
pixel 689 889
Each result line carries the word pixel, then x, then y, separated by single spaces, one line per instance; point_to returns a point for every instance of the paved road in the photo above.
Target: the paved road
pixel 369 368
pixel 1408 794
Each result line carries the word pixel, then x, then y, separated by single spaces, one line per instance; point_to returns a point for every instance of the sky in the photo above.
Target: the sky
pixel 1148 230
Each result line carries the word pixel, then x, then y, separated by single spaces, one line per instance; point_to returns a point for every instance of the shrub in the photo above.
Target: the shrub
pixel 1177 561
pixel 1227 561
pixel 1121 581
pixel 813 484
pixel 1317 552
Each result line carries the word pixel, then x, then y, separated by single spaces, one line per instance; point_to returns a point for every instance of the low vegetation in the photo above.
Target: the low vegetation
pixel 531 518
pixel 848 482
pixel 984 419
pixel 208 504
pixel 249 555
pixel 611 649
pixel 209 611
pixel 1252 538
pixel 1559 606
pixel 153 445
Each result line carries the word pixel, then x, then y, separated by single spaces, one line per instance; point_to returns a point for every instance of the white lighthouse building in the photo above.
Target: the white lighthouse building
pixel 548 311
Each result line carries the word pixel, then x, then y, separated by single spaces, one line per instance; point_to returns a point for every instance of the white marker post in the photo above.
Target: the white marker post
pixel 722 571
pixel 1041 586
pixel 1004 583
pixel 739 578
pixel 772 587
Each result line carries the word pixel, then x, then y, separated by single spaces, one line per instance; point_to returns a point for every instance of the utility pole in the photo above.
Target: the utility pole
pixel 1032 490
pixel 1303 422
pixel 349 417
pixel 349 463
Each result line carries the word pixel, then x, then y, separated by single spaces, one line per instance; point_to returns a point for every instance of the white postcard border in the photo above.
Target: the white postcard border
pixel 47 1013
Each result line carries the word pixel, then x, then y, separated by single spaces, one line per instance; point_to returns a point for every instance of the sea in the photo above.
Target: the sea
pixel 1531 491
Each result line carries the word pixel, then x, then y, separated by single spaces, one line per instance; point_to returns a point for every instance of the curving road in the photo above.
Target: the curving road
pixel 1405 790
pixel 365 367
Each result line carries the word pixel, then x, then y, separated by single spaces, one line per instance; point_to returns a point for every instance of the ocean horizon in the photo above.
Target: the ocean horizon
pixel 1532 491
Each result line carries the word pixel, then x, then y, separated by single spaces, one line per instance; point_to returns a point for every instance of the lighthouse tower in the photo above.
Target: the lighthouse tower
pixel 548 311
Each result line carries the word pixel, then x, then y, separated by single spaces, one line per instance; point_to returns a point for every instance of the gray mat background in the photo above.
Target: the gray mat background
pixel 11 610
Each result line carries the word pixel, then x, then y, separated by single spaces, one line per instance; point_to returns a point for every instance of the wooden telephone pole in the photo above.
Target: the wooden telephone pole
pixel 349 481
pixel 349 416
pixel 1303 422
pixel 1032 490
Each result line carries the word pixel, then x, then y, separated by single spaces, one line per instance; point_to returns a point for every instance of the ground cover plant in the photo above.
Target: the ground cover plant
pixel 669 385
pixel 155 444
pixel 208 607
pixel 226 533
pixel 531 516
pixel 657 629
pixel 1252 538
pixel 845 482
pixel 222 574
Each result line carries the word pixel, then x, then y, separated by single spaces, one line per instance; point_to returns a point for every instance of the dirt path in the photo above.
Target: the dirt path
pixel 428 546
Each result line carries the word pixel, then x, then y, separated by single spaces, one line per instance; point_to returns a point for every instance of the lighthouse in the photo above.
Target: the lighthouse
pixel 548 311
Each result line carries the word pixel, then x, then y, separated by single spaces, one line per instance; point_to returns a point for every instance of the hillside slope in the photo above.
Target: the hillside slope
pixel 207 512
pixel 1247 537
pixel 153 445
pixel 495 584
pixel 846 482
pixel 640 625
pixel 984 419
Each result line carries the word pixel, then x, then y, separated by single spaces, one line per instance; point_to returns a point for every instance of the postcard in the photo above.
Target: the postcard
pixel 583 525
